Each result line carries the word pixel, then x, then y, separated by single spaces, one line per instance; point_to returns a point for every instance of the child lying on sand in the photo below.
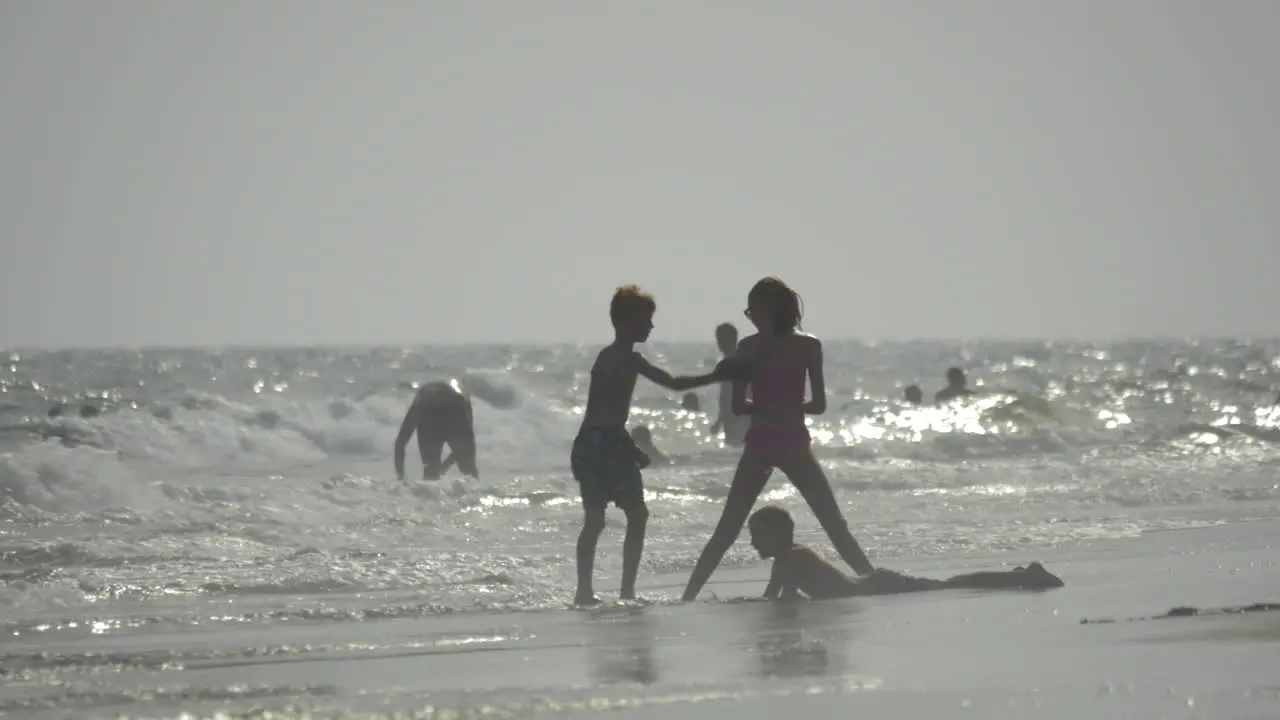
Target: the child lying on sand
pixel 799 570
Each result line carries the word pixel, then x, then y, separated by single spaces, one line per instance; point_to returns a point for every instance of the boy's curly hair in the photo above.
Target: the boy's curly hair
pixel 628 302
pixel 774 518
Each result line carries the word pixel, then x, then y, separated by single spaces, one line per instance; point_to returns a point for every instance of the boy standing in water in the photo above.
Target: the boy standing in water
pixel 734 426
pixel 605 460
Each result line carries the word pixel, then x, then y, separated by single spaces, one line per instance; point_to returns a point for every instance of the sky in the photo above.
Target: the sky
pixel 410 172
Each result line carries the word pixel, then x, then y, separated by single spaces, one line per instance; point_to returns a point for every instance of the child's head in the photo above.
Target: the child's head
pixel 772 530
pixel 726 337
pixel 690 402
pixel 913 394
pixel 642 435
pixel 773 307
pixel 955 377
pixel 632 313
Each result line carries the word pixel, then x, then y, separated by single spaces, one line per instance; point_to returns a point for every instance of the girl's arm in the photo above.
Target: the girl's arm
pixel 817 404
pixel 743 360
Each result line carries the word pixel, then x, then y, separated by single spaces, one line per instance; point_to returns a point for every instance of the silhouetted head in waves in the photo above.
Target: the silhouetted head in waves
pixel 774 308
pixel 690 402
pixel 726 338
pixel 913 394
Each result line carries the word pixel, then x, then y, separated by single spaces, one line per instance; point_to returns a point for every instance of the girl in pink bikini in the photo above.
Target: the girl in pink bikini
pixel 773 363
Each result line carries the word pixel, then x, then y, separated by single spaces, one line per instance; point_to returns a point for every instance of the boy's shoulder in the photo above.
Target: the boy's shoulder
pixel 614 357
pixel 797 553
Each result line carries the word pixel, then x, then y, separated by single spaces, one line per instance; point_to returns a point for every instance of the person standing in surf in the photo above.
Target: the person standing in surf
pixel 440 413
pixel 734 426
pixel 604 459
pixel 773 365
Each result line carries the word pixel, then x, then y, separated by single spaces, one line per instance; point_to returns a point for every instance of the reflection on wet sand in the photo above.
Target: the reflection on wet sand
pixel 622 641
pixel 803 639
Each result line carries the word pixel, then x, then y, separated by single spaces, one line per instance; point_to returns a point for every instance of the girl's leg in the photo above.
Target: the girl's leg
pixel 803 470
pixel 748 481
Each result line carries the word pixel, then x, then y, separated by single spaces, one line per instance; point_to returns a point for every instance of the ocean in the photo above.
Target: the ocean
pixel 231 518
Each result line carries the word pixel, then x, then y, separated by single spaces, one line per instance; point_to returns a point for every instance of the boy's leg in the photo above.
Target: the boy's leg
pixel 628 489
pixel 584 462
pixel 592 526
pixel 633 547
pixel 1032 577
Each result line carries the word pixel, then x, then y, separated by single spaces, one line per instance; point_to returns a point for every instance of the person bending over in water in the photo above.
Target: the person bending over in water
pixel 605 460
pixel 774 363
pixel 440 413
pixel 798 570
pixel 956 387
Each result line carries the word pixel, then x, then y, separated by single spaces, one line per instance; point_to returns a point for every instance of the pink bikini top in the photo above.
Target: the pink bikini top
pixel 777 385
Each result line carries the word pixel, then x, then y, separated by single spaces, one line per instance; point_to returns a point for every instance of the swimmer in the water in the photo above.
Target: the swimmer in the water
pixel 441 414
pixel 86 411
pixel 691 403
pixel 798 571
pixel 913 394
pixel 956 387
pixel 734 426
pixel 643 438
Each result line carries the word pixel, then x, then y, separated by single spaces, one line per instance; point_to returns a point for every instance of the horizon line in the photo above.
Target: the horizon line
pixel 236 346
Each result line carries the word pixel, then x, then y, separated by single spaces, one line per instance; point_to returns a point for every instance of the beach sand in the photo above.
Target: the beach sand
pixel 963 653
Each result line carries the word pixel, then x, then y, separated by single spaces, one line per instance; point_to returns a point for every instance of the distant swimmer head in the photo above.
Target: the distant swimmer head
pixel 955 377
pixel 691 403
pixel 57 410
pixel 774 308
pixel 632 312
pixel 913 394
pixel 642 435
pixel 772 531
pixel 89 411
pixel 726 338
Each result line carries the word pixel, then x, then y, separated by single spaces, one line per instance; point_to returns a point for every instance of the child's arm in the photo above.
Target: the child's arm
pixel 774 587
pixel 663 378
pixel 782 585
pixel 746 356
pixel 817 404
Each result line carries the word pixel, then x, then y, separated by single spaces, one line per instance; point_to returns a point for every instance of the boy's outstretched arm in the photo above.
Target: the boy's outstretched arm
pixel 663 378
pixel 407 427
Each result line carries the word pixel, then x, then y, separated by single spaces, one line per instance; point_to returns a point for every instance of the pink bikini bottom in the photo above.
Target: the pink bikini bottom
pixel 772 445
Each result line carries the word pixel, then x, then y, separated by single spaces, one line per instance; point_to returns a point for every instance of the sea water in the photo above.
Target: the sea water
pixel 227 493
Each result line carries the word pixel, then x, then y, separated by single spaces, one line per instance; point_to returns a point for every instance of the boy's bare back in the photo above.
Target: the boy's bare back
pixel 801 570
